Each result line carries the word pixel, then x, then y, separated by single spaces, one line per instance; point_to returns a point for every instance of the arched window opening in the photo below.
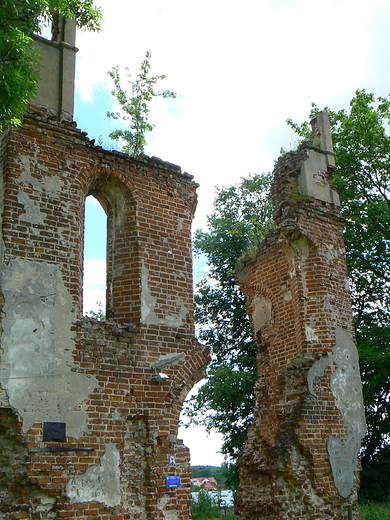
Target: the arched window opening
pixel 95 254
pixel 202 454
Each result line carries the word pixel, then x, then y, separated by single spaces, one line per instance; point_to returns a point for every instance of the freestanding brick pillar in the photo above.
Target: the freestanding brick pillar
pixel 300 459
pixel 89 410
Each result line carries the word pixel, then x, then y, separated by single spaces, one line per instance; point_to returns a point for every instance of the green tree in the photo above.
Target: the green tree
pixel 220 473
pixel 99 314
pixel 19 62
pixel 241 217
pixel 135 105
pixel 204 506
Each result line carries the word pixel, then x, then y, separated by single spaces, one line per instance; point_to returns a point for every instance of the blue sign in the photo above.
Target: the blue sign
pixel 172 481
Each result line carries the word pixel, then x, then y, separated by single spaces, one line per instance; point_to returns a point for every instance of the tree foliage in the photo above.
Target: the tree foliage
pixel 241 217
pixel 218 472
pixel 97 314
pixel 19 62
pixel 205 506
pixel 135 105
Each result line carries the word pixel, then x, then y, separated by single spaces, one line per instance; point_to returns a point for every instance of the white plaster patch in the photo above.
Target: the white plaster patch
pixel 148 301
pixel 32 214
pixel 176 319
pixel 310 333
pixel 44 504
pixel 52 184
pixel 180 222
pixel 36 329
pixel 167 359
pixel 25 176
pixel 262 312
pixel 343 460
pixel 301 249
pixel 169 514
pixel 100 483
pixel 346 385
pixel 148 305
pixel 347 390
pixel 317 370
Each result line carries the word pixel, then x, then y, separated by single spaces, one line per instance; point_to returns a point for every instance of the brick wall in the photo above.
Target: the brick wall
pixel 300 459
pixel 99 378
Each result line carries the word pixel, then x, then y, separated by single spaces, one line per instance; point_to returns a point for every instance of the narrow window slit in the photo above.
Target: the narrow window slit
pixel 95 254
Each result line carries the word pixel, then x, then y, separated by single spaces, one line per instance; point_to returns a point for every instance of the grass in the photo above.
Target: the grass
pixel 205 508
pixel 374 511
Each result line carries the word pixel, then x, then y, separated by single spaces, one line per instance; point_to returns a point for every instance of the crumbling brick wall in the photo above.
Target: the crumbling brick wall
pixel 99 379
pixel 300 459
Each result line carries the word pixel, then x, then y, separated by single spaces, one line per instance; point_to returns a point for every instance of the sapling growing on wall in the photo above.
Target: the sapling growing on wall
pixel 135 105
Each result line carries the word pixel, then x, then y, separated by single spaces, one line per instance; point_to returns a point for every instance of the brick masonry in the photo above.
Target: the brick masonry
pixel 300 459
pixel 99 378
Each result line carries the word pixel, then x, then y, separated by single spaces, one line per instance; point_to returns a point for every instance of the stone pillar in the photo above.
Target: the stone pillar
pixel 300 459
pixel 57 69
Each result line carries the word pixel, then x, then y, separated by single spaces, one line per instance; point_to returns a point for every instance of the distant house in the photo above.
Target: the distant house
pixel 208 483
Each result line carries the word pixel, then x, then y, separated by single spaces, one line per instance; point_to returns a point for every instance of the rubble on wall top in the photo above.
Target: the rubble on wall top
pixel 44 114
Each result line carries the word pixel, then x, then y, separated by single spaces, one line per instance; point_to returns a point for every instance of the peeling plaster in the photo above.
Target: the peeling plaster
pixel 262 312
pixel 301 249
pixel 100 483
pixel 343 458
pixel 51 184
pixel 331 253
pixel 317 370
pixel 310 331
pixel 180 222
pixel 169 514
pixel 148 306
pixel 345 383
pixel 36 328
pixel 296 253
pixel 32 214
pixel 346 389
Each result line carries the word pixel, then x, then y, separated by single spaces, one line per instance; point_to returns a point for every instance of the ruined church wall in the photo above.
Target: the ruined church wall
pixel 99 379
pixel 48 176
pixel 300 459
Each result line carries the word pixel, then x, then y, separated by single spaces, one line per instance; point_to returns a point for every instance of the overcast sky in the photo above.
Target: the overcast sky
pixel 240 69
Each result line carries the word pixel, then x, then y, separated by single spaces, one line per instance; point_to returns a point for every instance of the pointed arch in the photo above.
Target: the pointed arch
pixel 123 272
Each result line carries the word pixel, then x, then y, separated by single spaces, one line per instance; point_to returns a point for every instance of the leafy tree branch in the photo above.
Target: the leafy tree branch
pixel 19 61
pixel 135 105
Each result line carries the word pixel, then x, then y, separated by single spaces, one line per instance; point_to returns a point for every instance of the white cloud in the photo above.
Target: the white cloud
pixel 94 286
pixel 240 69
pixel 204 447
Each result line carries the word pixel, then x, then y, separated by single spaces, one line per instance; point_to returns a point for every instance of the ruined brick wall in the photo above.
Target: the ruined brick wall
pixel 300 459
pixel 100 379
